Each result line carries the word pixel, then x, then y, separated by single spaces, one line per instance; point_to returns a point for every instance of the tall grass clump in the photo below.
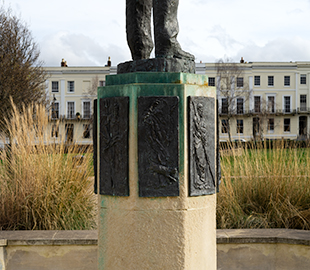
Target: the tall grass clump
pixel 41 185
pixel 264 188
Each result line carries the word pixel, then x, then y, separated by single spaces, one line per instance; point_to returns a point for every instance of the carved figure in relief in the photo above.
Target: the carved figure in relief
pixel 202 161
pixel 158 138
pixel 166 28
pixel 110 136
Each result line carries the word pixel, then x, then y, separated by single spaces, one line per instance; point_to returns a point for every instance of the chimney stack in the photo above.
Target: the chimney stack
pixel 109 63
pixel 63 63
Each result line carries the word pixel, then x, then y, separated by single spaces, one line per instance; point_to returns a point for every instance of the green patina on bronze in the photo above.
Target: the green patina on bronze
pixel 156 78
pixel 134 85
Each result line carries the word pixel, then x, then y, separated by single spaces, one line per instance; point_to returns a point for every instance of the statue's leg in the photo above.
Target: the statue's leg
pixel 166 29
pixel 138 28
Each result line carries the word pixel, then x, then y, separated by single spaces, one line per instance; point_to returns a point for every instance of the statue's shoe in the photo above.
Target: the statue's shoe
pixel 176 52
pixel 183 55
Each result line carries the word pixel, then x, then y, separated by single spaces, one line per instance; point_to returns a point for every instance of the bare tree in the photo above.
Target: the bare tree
pixel 232 89
pixel 21 74
pixel 91 94
pixel 264 117
pixel 91 91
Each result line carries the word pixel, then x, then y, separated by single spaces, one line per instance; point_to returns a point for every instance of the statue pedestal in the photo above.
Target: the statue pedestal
pixel 157 203
pixel 157 65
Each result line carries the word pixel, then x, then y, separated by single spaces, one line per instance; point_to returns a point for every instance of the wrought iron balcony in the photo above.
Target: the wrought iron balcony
pixel 86 116
pixel 71 116
pixel 301 110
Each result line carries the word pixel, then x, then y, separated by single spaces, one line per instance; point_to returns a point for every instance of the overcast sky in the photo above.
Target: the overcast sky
pixel 85 33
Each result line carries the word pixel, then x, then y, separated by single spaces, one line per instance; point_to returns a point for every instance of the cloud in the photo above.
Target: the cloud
pixel 78 50
pixel 279 49
pixel 296 11
pixel 88 34
pixel 220 34
pixel 214 45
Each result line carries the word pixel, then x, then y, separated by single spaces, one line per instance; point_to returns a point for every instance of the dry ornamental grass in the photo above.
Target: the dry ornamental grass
pixel 265 188
pixel 41 187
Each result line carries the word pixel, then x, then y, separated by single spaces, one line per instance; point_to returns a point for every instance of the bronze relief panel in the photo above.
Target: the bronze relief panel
pixel 201 133
pixel 158 146
pixel 114 128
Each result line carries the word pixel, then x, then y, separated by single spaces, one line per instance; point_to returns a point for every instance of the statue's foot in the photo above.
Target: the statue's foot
pixel 176 52
pixel 140 56
pixel 183 55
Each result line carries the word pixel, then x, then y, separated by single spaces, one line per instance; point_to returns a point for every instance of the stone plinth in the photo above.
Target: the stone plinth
pixel 167 228
pixel 157 65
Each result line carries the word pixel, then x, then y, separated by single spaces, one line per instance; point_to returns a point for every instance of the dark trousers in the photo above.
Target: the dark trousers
pixel 138 27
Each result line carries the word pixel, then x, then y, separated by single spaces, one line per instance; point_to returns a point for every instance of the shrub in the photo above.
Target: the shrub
pixel 265 188
pixel 41 186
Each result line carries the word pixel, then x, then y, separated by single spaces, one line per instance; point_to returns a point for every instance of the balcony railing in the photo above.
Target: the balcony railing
pixel 86 116
pixel 303 110
pixel 264 112
pixel 54 116
pixel 71 116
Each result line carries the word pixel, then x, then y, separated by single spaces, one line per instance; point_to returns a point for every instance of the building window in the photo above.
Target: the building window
pixel 287 80
pixel 224 125
pixel 257 104
pixel 270 81
pixel 287 125
pixel 239 81
pixel 55 87
pixel 86 132
pixel 224 106
pixel 240 126
pixel 101 83
pixel 287 104
pixel 86 109
pixel 239 105
pixel 70 110
pixel 55 110
pixel 70 86
pixel 211 81
pixel 69 132
pixel 256 125
pixel 55 131
pixel 271 124
pixel 256 80
pixel 303 79
pixel 270 104
pixel 303 103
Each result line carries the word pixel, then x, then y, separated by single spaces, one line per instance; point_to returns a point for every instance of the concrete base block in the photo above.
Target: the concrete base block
pixel 162 239
pixel 2 254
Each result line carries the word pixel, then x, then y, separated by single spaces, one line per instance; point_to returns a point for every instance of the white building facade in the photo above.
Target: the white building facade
pixel 71 92
pixel 275 104
pixel 276 107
